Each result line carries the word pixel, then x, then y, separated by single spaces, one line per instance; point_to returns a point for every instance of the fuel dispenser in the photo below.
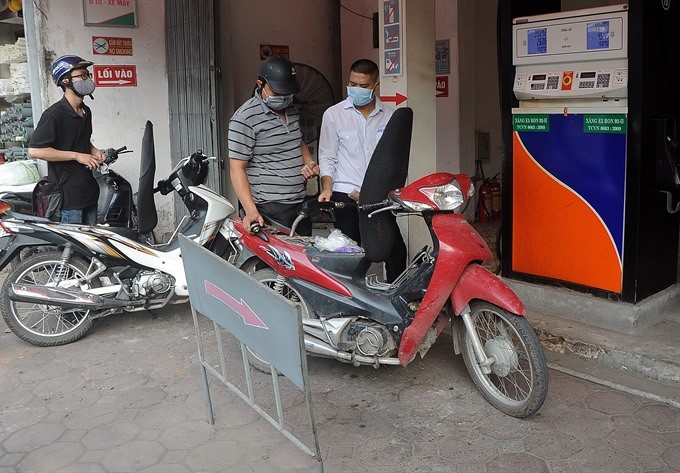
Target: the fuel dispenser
pixel 569 146
pixel 590 104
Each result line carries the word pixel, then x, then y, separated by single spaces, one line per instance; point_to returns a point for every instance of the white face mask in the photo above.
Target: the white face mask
pixel 276 102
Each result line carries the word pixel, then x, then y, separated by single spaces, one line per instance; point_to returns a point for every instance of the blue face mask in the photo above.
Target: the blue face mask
pixel 360 96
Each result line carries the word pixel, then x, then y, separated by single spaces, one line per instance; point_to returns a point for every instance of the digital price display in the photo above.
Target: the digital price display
pixel 537 41
pixel 597 35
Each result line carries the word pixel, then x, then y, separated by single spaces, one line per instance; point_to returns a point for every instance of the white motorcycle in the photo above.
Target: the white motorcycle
pixel 53 297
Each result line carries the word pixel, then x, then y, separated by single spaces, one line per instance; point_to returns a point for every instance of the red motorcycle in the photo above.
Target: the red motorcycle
pixel 361 320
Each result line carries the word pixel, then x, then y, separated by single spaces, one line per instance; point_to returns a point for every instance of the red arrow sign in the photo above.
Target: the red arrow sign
pixel 114 75
pixel 241 308
pixel 397 99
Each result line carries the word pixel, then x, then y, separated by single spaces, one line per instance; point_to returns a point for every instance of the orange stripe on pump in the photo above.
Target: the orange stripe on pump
pixel 555 233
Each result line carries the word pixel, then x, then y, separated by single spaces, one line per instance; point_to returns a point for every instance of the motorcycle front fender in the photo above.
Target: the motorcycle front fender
pixel 459 245
pixel 477 282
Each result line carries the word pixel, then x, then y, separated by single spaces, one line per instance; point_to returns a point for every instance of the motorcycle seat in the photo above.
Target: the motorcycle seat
pixel 346 264
pixel 27 217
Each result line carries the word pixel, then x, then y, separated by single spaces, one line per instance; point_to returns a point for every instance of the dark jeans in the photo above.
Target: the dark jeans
pixel 87 215
pixel 347 220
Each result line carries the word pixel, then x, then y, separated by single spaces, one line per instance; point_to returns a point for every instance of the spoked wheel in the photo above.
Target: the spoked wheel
pixel 518 382
pixel 269 278
pixel 41 324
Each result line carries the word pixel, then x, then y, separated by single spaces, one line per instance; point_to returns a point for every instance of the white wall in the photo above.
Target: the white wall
pixel 310 29
pixel 305 26
pixel 119 113
pixel 487 100
pixel 357 35
pixel 448 108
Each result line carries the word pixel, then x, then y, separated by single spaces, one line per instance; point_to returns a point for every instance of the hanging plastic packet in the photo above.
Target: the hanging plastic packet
pixel 337 242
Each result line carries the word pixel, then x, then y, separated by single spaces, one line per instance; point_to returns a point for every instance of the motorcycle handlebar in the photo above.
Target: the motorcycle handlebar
pixel 111 154
pixel 196 159
pixel 374 206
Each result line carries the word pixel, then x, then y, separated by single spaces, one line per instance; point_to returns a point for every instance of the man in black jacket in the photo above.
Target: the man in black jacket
pixel 62 138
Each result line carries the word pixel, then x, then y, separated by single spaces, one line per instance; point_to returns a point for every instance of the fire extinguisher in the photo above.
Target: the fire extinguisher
pixel 495 187
pixel 489 204
pixel 485 202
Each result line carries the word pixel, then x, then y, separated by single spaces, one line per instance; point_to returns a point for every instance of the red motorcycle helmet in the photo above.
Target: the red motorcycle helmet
pixel 65 64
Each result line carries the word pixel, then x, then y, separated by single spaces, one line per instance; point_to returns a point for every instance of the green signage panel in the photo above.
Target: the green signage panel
pixel 531 122
pixel 601 123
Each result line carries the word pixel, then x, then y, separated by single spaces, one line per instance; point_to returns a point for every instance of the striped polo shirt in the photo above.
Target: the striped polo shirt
pixel 272 148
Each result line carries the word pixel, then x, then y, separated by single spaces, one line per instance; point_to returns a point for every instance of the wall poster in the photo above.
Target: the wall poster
pixel 110 13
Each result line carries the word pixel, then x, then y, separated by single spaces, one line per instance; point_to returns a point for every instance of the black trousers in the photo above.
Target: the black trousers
pixel 347 220
pixel 285 214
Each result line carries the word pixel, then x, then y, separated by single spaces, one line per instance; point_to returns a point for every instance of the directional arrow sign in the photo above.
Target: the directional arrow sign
pixel 397 99
pixel 240 307
pixel 114 75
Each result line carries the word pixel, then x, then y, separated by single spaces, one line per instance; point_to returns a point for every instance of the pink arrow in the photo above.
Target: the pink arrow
pixel 241 308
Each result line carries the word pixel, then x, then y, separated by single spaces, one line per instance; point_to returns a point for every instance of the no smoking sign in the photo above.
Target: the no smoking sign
pixel 111 46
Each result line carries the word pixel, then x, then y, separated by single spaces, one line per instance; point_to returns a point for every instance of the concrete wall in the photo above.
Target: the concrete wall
pixel 305 26
pixel 487 100
pixel 315 36
pixel 119 113
pixel 357 35
pixel 448 108
pixel 309 28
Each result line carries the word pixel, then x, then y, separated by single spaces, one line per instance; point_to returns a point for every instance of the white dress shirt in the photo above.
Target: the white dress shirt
pixel 347 141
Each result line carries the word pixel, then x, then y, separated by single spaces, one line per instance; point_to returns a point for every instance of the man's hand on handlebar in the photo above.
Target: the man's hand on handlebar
pixel 325 195
pixel 250 221
pixel 90 161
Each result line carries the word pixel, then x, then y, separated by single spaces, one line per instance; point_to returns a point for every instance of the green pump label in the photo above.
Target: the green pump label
pixel 531 122
pixel 614 123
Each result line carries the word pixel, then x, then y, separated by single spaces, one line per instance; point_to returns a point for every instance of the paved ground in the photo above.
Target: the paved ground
pixel 127 398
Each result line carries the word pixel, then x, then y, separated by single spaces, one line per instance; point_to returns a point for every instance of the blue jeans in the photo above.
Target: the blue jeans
pixel 87 215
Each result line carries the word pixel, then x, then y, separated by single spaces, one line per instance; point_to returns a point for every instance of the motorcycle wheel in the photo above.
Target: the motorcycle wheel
pixel 268 278
pixel 518 382
pixel 40 324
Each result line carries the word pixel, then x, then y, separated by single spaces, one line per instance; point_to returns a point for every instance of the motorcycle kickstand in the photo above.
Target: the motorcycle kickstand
pixel 484 361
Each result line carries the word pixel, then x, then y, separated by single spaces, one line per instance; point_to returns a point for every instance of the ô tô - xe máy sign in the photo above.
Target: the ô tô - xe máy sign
pixel 110 13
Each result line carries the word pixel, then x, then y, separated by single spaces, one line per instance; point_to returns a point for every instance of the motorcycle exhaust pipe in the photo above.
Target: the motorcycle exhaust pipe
pixel 61 297
pixel 319 348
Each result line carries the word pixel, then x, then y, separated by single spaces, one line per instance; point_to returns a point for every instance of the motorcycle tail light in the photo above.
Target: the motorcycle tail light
pixel 4 207
pixel 446 197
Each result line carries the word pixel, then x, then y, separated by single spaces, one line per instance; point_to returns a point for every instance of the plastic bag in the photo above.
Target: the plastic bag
pixel 337 242
pixel 18 173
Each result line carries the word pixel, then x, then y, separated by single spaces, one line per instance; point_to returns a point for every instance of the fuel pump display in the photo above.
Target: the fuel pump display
pixel 569 146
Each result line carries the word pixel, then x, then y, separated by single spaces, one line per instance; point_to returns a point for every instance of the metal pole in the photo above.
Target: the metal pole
pixel 201 368
pixel 33 57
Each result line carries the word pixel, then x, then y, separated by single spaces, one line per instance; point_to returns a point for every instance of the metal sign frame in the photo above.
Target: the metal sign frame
pixel 239 316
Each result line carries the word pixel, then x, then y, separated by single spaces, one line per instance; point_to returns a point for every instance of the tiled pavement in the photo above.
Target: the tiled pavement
pixel 127 398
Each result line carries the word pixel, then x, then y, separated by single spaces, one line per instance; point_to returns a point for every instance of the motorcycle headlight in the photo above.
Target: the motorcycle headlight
pixel 417 206
pixel 446 197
